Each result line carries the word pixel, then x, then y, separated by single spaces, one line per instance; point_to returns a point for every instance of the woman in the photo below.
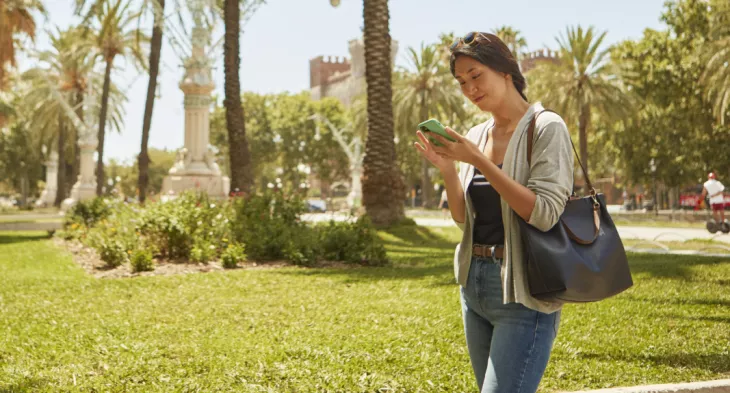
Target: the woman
pixel 509 333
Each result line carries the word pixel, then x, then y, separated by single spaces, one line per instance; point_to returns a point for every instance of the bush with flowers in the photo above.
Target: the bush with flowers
pixel 196 228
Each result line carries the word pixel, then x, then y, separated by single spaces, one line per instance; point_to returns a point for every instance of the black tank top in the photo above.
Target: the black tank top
pixel 488 226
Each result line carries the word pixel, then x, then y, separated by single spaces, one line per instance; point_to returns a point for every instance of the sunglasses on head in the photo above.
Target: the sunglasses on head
pixel 469 39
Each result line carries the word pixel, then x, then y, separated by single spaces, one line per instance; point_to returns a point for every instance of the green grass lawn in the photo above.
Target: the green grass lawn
pixel 389 329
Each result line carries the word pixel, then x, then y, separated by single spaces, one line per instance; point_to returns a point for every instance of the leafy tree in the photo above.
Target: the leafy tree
pixel 20 160
pixel 582 82
pixel 674 124
pixel 285 141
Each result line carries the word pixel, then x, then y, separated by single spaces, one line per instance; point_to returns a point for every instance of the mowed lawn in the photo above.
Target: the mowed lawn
pixel 390 329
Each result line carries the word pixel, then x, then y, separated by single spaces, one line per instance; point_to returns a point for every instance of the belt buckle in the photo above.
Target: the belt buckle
pixel 493 250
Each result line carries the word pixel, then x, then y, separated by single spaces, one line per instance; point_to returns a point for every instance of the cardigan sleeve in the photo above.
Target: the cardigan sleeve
pixel 461 174
pixel 551 172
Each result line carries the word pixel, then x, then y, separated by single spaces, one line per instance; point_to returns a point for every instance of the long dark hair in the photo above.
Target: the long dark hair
pixel 491 51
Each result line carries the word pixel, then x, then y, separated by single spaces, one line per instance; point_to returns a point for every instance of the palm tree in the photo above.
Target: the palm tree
pixel 382 185
pixel 581 83
pixel 69 64
pixel 15 18
pixel 240 157
pixel 716 77
pixel 425 89
pixel 61 77
pixel 514 40
pixel 117 35
pixel 143 161
pixel 70 60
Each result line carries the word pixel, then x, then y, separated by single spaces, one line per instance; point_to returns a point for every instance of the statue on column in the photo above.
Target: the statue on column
pixel 195 167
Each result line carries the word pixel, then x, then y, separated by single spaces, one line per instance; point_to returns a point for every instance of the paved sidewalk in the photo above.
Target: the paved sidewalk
pixel 718 386
pixel 626 232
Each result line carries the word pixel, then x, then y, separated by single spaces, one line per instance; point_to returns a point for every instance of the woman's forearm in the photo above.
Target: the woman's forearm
pixel 454 194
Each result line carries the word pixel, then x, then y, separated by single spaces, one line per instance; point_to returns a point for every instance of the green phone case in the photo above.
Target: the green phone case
pixel 433 125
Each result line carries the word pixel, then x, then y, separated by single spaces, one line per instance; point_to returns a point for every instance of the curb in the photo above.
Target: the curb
pixel 718 386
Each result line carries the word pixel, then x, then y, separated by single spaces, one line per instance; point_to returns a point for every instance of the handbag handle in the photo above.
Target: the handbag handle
pixel 530 137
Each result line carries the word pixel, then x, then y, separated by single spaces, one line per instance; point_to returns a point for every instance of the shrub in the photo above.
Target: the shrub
pixel 303 247
pixel 233 254
pixel 142 261
pixel 269 224
pixel 352 242
pixel 202 252
pixel 191 219
pixel 90 212
pixel 112 251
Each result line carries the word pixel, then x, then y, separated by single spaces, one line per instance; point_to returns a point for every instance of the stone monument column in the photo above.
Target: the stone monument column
pixel 195 167
pixel 85 186
pixel 48 196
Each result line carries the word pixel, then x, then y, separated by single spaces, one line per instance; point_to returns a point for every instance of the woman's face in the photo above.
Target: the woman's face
pixel 483 86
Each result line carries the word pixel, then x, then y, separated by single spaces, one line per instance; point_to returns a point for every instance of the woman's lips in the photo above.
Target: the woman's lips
pixel 478 99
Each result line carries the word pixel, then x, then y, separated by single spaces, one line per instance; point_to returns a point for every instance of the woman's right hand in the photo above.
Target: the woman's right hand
pixel 426 150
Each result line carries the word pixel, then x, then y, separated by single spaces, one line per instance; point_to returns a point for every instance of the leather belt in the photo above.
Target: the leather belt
pixel 485 251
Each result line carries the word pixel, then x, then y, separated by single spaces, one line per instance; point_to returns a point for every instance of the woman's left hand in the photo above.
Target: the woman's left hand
pixel 462 150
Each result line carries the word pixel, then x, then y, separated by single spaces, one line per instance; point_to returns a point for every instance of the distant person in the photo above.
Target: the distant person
pixel 444 202
pixel 714 189
pixel 509 333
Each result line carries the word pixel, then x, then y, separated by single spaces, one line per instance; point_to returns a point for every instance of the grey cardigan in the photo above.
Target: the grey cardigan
pixel 550 177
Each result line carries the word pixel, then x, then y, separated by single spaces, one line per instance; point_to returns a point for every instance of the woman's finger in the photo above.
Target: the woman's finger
pixel 441 139
pixel 454 134
pixel 419 147
pixel 426 144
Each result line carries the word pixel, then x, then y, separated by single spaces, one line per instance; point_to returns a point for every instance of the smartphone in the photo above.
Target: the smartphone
pixel 434 126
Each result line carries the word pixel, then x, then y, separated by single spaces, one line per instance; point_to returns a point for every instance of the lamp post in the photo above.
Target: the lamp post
pixel 652 166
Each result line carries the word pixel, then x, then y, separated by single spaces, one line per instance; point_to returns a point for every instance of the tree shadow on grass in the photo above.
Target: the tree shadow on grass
pixel 680 301
pixel 417 236
pixel 670 266
pixel 716 363
pixel 705 318
pixel 25 386
pixel 22 237
pixel 361 275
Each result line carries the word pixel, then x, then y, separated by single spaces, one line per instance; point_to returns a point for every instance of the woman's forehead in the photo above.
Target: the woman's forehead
pixel 465 64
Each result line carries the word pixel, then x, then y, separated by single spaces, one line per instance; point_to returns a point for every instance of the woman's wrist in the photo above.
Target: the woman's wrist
pixel 448 168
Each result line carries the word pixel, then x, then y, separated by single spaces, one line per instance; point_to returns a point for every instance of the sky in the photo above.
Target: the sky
pixel 283 35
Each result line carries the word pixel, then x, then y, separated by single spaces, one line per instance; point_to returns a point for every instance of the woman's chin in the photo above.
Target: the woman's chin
pixel 484 105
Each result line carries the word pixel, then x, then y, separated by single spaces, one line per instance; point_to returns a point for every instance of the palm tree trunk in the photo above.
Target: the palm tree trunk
pixel 425 165
pixel 240 158
pixel 583 119
pixel 75 168
pixel 382 184
pixel 61 174
pixel 102 124
pixel 143 161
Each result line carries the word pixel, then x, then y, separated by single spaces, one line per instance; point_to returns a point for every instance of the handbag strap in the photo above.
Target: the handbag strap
pixel 530 137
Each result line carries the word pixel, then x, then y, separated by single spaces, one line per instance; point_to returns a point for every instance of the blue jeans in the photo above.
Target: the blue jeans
pixel 509 344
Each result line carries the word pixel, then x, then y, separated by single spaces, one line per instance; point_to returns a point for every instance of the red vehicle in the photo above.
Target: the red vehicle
pixel 690 198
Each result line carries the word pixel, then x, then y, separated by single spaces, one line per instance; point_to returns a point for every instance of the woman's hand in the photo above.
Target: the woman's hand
pixel 462 150
pixel 426 148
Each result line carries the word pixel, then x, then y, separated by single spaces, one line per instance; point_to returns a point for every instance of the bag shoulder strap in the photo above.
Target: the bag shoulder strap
pixel 531 139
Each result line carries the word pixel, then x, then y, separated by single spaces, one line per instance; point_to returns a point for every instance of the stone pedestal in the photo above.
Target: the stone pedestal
pixel 85 186
pixel 195 167
pixel 48 196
